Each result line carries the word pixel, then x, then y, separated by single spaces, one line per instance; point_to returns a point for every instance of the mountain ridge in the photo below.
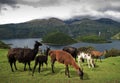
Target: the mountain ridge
pixel 74 28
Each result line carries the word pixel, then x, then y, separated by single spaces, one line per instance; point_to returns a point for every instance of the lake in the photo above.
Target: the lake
pixel 29 42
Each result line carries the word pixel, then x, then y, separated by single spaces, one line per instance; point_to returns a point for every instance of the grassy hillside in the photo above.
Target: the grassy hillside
pixel 92 39
pixel 106 72
pixel 117 36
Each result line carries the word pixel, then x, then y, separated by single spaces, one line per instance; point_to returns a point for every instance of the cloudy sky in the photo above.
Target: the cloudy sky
pixel 16 11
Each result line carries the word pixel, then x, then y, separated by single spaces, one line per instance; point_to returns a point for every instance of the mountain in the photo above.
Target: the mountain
pixel 73 27
pixel 44 22
pixel 108 21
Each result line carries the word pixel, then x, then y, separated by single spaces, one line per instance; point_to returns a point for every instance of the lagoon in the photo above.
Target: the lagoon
pixel 29 42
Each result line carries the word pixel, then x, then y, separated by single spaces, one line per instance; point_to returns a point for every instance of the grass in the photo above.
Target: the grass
pixel 106 72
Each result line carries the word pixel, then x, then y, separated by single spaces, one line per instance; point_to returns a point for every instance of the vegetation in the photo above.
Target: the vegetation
pixel 39 28
pixel 117 36
pixel 105 72
pixel 58 38
pixel 3 45
pixel 113 53
pixel 92 39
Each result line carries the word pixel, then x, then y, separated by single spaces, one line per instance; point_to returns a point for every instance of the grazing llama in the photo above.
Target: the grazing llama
pixel 66 59
pixel 98 54
pixel 88 57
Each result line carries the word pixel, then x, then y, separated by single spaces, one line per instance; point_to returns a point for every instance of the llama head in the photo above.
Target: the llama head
pixel 80 73
pixel 37 44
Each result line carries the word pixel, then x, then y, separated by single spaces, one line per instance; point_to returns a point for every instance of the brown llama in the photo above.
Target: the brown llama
pixel 23 55
pixel 98 54
pixel 43 58
pixel 64 58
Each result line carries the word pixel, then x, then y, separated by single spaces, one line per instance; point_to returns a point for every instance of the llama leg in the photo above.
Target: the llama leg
pixel 25 66
pixel 46 64
pixel 100 59
pixel 39 67
pixel 11 66
pixel 29 66
pixel 88 62
pixel 34 68
pixel 42 66
pixel 15 65
pixel 92 63
pixel 52 65
pixel 67 71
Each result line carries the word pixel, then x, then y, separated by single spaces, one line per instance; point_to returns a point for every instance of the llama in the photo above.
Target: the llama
pixel 41 59
pixel 83 55
pixel 98 54
pixel 66 59
pixel 71 50
pixel 23 55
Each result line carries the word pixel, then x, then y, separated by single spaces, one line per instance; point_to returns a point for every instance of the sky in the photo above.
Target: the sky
pixel 17 11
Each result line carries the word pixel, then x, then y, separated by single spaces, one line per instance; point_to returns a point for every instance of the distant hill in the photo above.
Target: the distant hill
pixel 58 38
pixel 76 27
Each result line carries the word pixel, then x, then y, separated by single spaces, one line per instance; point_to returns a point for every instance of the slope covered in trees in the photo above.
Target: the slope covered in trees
pixel 58 38
pixel 40 27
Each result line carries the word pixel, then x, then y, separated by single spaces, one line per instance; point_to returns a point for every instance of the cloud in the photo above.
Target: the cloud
pixel 63 9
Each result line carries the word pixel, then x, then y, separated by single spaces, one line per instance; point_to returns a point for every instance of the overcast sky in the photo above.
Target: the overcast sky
pixel 16 11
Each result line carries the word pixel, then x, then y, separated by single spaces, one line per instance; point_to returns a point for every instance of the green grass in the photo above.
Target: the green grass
pixel 106 72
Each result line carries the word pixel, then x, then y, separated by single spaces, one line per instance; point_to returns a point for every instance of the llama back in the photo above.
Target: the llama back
pixel 96 53
pixel 15 53
pixel 62 56
pixel 20 54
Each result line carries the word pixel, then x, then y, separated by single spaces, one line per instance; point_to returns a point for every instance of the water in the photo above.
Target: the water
pixel 29 42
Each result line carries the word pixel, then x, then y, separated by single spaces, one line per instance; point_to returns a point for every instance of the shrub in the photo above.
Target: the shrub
pixel 86 49
pixel 113 53
pixel 3 45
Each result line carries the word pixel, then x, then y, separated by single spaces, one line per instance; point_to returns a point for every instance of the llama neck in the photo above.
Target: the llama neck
pixel 35 51
pixel 75 66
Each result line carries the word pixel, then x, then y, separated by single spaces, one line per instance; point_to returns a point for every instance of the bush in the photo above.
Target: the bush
pixel 113 53
pixel 3 45
pixel 86 49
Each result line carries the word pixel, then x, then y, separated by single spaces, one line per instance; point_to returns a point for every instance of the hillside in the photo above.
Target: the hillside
pixel 117 36
pixel 40 27
pixel 58 38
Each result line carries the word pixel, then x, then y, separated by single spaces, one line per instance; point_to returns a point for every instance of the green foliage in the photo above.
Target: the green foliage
pixel 3 45
pixel 39 28
pixel 58 38
pixel 91 38
pixel 112 53
pixel 86 49
pixel 116 36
